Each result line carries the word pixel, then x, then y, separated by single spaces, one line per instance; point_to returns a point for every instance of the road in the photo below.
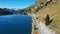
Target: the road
pixel 43 29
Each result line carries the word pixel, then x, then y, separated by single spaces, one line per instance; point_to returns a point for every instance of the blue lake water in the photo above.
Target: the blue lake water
pixel 15 24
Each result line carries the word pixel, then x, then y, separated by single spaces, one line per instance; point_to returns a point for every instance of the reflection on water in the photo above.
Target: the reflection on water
pixel 15 24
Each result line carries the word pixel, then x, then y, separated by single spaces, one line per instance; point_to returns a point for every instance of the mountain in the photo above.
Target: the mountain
pixel 4 11
pixel 42 8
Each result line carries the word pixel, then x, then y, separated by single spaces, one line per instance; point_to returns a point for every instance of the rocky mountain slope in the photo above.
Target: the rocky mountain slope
pixel 43 7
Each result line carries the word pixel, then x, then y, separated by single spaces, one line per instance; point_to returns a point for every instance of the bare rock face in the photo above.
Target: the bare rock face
pixel 39 4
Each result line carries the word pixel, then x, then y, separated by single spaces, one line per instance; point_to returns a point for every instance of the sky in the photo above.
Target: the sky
pixel 16 3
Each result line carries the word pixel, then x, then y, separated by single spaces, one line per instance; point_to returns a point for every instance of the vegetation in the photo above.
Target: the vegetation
pixel 48 2
pixel 35 27
pixel 37 9
pixel 48 21
pixel 4 12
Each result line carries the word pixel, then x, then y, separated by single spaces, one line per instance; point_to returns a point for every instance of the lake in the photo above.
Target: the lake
pixel 15 24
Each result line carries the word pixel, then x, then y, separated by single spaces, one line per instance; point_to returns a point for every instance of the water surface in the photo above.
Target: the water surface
pixel 15 24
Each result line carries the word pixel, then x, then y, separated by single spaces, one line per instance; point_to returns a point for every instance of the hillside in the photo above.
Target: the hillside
pixel 52 9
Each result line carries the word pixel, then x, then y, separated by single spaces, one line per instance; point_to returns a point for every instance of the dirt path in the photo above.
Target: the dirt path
pixel 33 24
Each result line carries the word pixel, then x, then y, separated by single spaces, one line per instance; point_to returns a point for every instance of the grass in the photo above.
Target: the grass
pixel 53 10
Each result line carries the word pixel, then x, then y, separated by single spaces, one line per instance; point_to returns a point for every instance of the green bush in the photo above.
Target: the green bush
pixel 47 20
pixel 48 2
pixel 35 27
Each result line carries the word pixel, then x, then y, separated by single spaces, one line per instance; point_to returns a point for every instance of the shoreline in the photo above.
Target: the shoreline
pixel 33 31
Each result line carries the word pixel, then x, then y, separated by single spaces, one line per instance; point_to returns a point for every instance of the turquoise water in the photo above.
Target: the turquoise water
pixel 15 24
